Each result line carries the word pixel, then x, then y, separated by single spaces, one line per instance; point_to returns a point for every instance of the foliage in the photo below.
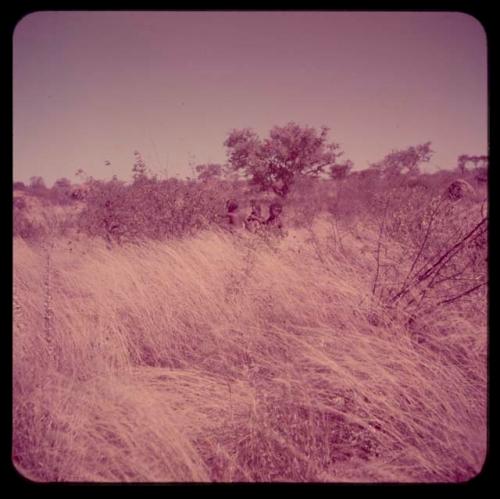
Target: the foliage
pixel 431 250
pixel 150 208
pixel 25 227
pixel 403 162
pixel 139 170
pixel 61 191
pixel 341 171
pixel 209 171
pixel 466 162
pixel 475 168
pixel 37 184
pixel 275 163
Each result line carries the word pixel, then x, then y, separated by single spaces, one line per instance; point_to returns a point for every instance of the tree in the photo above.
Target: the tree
pixel 209 171
pixel 37 187
pixel 139 170
pixel 341 171
pixel 466 162
pixel 37 183
pixel 62 184
pixel 278 161
pixel 403 162
pixel 62 190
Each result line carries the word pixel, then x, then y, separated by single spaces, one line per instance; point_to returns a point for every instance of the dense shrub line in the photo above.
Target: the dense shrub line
pixel 149 208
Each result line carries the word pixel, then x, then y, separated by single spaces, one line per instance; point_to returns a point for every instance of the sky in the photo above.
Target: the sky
pixel 90 88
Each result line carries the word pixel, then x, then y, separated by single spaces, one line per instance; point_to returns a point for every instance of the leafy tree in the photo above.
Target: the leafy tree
pixel 466 162
pixel 37 184
pixel 275 163
pixel 62 184
pixel 403 162
pixel 341 171
pixel 38 188
pixel 139 170
pixel 209 171
pixel 62 190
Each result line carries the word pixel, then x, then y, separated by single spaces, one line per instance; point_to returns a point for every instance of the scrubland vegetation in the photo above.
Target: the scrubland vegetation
pixel 152 344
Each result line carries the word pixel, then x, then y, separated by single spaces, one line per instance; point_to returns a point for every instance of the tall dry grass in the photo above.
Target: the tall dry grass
pixel 234 358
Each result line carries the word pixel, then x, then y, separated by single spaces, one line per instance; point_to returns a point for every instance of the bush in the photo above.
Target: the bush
pixel 24 227
pixel 153 209
pixel 431 250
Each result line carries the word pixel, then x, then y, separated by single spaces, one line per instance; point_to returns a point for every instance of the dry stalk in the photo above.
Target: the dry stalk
pixel 48 306
pixel 379 246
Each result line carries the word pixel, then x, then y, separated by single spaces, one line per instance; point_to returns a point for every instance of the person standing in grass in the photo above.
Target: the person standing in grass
pixel 255 220
pixel 233 217
pixel 274 223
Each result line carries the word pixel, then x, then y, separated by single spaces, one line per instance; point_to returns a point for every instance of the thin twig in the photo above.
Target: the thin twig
pixel 422 246
pixel 379 243
pixel 438 265
pixel 455 276
pixel 47 307
pixel 461 295
pixel 450 252
pixel 437 273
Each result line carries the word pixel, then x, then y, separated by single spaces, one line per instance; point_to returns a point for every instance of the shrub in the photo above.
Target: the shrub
pixel 431 250
pixel 150 208
pixel 25 227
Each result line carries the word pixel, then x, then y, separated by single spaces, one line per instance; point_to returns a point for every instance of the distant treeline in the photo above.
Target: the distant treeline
pixel 294 164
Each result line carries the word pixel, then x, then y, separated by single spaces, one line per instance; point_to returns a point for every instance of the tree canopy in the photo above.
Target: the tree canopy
pixel 209 171
pixel 404 162
pixel 275 163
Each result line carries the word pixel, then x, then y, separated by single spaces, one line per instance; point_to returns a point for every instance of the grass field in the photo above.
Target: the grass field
pixel 220 357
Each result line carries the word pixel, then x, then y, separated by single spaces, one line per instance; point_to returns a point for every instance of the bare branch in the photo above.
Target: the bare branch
pixel 419 253
pixel 379 244
pixel 461 295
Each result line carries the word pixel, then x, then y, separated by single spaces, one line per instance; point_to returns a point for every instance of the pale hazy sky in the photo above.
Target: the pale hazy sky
pixel 91 87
